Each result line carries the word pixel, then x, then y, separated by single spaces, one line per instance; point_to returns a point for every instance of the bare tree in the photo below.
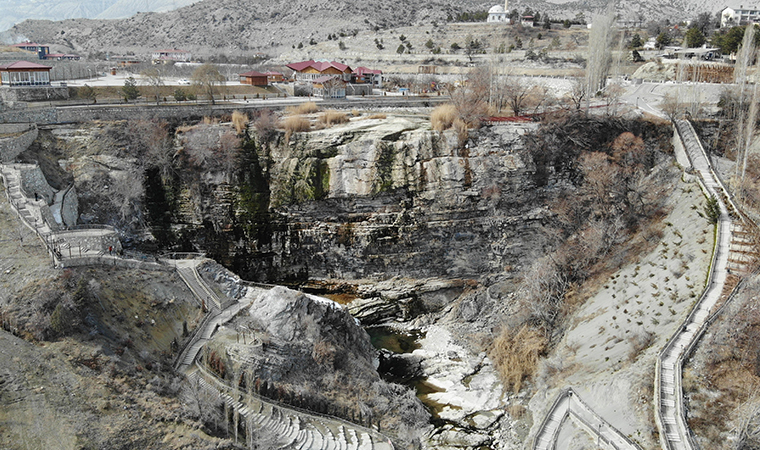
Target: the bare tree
pixel 470 98
pixel 749 428
pixel 156 144
pixel 612 94
pixel 127 190
pixel 516 91
pixel 578 91
pixel 672 106
pixel 265 126
pixel 207 77
pixel 599 52
pixel 155 80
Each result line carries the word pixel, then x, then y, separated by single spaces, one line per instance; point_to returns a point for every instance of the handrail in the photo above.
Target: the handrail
pixel 572 396
pixel 197 335
pixel 562 394
pixel 713 187
pixel 585 405
pixel 295 409
pixel 678 391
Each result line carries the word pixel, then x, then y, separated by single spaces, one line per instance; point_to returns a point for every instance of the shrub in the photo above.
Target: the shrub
pixel 442 117
pixel 86 92
pixel 640 341
pixel 333 118
pixel 303 108
pixel 377 116
pixel 516 354
pixel 712 209
pixel 265 125
pixel 239 121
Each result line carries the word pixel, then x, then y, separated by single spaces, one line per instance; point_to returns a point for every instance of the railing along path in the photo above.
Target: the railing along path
pixel 736 238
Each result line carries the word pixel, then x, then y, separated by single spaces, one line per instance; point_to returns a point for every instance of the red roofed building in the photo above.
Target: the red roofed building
pixel 275 77
pixel 254 78
pixel 363 75
pixel 311 70
pixel 40 49
pixel 24 73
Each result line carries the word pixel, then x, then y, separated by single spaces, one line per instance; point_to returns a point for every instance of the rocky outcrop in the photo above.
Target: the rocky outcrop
pixel 395 198
pixel 367 199
pixel 402 299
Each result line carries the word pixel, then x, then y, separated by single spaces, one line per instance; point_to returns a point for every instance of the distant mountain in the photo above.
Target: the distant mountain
pixel 127 8
pixel 239 24
pixel 234 26
pixel 16 11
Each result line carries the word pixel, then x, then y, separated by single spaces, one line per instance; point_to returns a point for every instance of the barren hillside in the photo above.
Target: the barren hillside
pixel 233 27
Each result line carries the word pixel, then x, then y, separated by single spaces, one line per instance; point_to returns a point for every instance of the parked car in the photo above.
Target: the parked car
pixel 184 82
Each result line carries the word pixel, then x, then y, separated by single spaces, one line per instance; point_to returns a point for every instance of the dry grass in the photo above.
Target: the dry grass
pixel 377 116
pixel 516 411
pixel 442 117
pixel 303 108
pixel 209 120
pixel 516 355
pixel 330 118
pixel 239 121
pixel 355 113
pixel 295 124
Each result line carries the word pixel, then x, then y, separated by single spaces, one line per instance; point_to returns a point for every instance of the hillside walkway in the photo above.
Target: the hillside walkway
pixel 283 426
pixel 569 405
pixel 734 255
pixel 77 243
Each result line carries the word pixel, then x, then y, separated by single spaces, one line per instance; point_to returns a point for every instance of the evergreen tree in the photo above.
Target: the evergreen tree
pixel 130 89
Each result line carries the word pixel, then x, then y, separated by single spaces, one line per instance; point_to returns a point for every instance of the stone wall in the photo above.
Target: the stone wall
pixel 679 150
pixel 188 112
pixel 70 207
pixel 11 147
pixel 113 261
pixel 33 94
pixel 98 242
pixel 33 182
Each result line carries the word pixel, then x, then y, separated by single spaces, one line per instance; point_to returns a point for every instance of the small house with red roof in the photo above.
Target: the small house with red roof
pixel 275 77
pixel 24 73
pixel 40 49
pixel 311 70
pixel 254 78
pixel 363 75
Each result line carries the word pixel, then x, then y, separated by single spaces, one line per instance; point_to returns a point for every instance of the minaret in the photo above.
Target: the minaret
pixel 506 6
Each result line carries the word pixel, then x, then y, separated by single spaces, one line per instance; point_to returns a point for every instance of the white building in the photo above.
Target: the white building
pixel 740 14
pixel 499 13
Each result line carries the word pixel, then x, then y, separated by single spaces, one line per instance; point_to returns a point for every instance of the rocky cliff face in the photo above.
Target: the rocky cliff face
pixel 393 197
pixel 370 198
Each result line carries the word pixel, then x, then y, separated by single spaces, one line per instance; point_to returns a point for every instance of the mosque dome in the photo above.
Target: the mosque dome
pixel 496 9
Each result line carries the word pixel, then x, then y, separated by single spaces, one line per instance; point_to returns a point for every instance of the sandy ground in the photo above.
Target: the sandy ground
pixel 608 353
